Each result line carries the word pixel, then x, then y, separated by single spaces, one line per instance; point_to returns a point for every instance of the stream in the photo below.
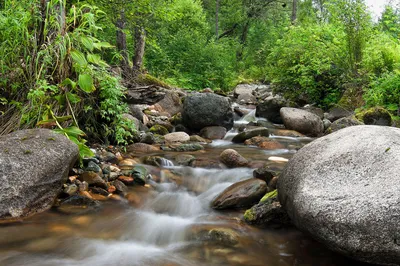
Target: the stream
pixel 171 223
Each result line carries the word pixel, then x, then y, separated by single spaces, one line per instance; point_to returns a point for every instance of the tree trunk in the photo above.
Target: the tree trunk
pixel 294 12
pixel 43 8
pixel 243 39
pixel 140 43
pixel 121 41
pixel 216 19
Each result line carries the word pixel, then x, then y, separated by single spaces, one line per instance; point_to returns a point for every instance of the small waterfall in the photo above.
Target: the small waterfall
pixel 157 229
pixel 250 117
pixel 165 162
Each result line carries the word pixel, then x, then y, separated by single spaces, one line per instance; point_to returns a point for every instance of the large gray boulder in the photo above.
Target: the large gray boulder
pixel 302 121
pixel 344 190
pixel 34 165
pixel 207 109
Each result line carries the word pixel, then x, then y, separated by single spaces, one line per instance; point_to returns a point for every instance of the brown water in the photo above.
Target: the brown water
pixel 168 227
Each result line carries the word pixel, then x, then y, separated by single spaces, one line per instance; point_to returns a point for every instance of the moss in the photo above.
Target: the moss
pixel 158 129
pixel 147 79
pixel 352 98
pixel 270 195
pixel 176 119
pixel 373 115
pixel 249 215
pixel 27 152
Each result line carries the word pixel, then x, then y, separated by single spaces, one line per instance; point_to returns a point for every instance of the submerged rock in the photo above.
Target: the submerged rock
pixel 232 158
pixel 343 189
pixel 207 109
pixel 239 195
pixel 250 133
pixel 184 159
pixel 183 147
pixel 302 121
pixel 265 143
pixel 220 235
pixel 34 165
pixel 78 205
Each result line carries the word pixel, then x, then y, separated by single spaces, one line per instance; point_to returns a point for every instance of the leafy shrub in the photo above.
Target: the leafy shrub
pixel 307 63
pixel 381 55
pixel 385 91
pixel 53 73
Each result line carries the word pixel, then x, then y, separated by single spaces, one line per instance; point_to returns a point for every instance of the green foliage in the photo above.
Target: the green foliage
pixel 183 54
pixel 62 73
pixel 382 54
pixel 385 91
pixel 307 63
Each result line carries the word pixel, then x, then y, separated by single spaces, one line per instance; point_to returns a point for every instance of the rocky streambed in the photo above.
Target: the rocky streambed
pixel 199 189
pixel 169 221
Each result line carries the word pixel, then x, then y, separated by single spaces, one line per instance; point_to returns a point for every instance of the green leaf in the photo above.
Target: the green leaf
pixel 101 45
pixel 87 42
pixel 85 82
pixel 63 118
pixel 73 98
pixel 96 59
pixel 71 131
pixel 69 82
pixel 79 58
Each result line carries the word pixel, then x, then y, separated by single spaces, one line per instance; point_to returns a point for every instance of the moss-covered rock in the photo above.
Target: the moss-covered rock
pixel 183 147
pixel 375 116
pixel 158 129
pixel 267 214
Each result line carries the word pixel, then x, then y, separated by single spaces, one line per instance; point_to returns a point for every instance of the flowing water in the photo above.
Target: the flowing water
pixel 171 225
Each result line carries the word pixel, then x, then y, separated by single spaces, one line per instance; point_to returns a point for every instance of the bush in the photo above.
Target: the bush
pixel 381 55
pixel 384 91
pixel 58 80
pixel 307 63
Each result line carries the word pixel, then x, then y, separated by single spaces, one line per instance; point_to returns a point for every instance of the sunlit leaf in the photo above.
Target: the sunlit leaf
pixel 96 59
pixel 78 58
pixel 87 42
pixel 85 82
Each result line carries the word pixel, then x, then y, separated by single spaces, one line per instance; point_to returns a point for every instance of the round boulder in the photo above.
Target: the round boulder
pixel 207 109
pixel 213 132
pixel 232 158
pixel 176 137
pixel 343 189
pixel 302 121
pixel 378 116
pixel 34 165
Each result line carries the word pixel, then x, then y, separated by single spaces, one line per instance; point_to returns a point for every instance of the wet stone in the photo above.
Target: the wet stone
pixel 78 205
